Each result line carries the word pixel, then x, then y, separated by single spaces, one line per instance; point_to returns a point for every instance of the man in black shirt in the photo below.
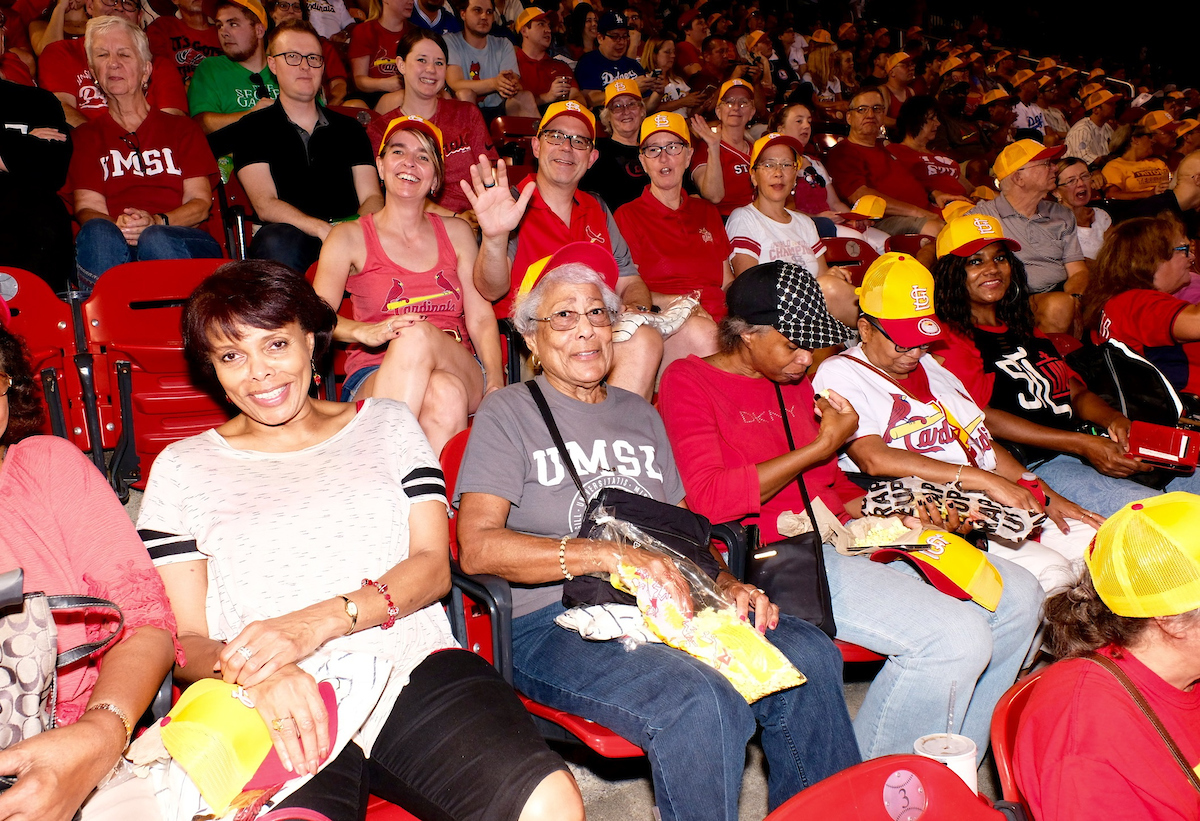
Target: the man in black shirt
pixel 304 167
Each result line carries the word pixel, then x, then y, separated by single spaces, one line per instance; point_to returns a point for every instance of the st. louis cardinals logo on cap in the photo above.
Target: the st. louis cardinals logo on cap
pixel 920 298
pixel 984 225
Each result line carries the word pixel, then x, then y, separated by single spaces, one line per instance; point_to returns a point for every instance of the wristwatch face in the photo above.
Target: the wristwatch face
pixel 351 609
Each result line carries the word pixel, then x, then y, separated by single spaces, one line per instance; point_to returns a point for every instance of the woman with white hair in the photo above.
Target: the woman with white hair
pixel 140 176
pixel 519 511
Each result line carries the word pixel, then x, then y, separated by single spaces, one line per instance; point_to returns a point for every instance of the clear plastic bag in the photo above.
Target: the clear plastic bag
pixel 683 607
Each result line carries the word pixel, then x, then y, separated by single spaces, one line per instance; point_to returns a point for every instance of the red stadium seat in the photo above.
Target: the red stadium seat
pixel 132 327
pixel 907 243
pixel 890 788
pixel 852 653
pixel 513 138
pixel 1004 735
pixel 854 254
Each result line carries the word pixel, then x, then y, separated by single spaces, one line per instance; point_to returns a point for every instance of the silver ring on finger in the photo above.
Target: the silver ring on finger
pixel 245 652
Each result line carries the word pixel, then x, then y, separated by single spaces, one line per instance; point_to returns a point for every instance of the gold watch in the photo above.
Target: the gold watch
pixel 352 612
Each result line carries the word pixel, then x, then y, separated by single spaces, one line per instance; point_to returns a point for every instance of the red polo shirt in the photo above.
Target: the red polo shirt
pixel 542 232
pixel 678 252
pixel 538 75
pixel 735 169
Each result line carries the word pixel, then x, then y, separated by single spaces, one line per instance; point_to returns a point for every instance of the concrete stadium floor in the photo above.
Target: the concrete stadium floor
pixel 619 790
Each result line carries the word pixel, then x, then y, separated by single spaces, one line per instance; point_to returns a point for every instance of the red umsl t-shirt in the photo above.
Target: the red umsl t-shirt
pixel 13 69
pixel 371 39
pixel 538 75
pixel 854 166
pixel 63 69
pixel 1143 319
pixel 678 252
pixel 145 169
pixel 174 40
pixel 935 172
pixel 735 169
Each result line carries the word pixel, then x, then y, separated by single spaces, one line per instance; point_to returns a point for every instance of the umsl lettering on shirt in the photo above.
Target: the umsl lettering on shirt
pixel 618 457
pixel 150 163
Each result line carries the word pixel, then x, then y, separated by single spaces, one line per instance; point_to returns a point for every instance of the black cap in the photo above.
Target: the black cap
pixel 611 20
pixel 788 298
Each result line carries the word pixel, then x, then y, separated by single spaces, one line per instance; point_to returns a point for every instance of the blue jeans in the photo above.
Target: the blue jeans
pixel 100 245
pixel 932 642
pixel 1092 490
pixel 688 718
pixel 287 244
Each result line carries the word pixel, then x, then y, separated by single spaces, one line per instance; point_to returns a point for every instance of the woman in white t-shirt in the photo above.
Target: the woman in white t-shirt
pixel 767 230
pixel 1074 189
pixel 306 541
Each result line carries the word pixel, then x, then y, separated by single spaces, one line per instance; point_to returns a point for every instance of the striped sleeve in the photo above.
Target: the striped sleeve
pixel 819 250
pixel 745 245
pixel 169 548
pixel 425 484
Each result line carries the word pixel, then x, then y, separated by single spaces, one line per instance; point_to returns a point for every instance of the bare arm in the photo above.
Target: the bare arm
pixel 359 68
pixel 74 117
pixel 634 292
pixel 478 314
pixel 838 420
pixel 895 207
pixel 90 205
pixel 211 121
pixel 459 82
pixel 1078 274
pixel 260 187
pixel 366 186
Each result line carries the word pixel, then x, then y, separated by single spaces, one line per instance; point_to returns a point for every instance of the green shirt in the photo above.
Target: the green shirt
pixel 221 86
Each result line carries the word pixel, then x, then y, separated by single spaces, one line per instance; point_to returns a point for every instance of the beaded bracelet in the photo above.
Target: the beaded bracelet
pixel 392 610
pixel 562 558
pixel 119 713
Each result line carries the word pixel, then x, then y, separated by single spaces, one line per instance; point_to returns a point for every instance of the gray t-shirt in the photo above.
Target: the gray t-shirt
pixel 482 63
pixel 619 442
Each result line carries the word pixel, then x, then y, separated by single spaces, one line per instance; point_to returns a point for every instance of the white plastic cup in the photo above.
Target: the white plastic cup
pixel 955 751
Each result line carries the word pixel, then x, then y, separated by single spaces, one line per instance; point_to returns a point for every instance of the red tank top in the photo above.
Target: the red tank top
pixel 382 289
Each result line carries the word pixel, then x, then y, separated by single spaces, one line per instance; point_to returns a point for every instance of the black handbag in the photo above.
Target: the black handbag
pixel 792 571
pixel 685 532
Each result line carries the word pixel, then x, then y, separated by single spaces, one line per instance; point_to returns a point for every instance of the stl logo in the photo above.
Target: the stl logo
pixel 984 225
pixel 571 105
pixel 920 298
pixel 661 121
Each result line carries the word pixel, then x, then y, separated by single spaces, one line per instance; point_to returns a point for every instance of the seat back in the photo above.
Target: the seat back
pixel 132 325
pixel 907 243
pixel 854 254
pixel 907 787
pixel 44 322
pixel 1004 734
pixel 513 138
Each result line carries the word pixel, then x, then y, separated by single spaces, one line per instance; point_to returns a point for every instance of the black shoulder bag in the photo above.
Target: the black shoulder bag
pixel 792 571
pixel 685 532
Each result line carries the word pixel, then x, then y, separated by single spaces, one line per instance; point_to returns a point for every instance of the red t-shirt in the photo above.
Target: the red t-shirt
pixel 145 169
pixel 960 356
pixel 63 69
pixel 1084 750
pixel 722 425
pixel 854 166
pixel 13 69
pixel 686 54
pixel 735 169
pixel 174 40
pixel 1142 319
pixel 371 39
pixel 935 172
pixel 678 252
pixel 538 75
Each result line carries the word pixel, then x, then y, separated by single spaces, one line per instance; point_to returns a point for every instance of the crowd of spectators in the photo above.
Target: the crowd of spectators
pixel 671 238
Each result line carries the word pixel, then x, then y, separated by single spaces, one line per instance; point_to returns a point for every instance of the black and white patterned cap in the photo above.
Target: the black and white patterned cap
pixel 787 297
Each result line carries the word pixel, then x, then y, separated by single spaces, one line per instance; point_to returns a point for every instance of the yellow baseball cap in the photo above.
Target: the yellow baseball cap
pixel 898 291
pixel 528 16
pixel 1021 77
pixel 1174 95
pixel 1156 120
pixel 753 37
pixel 1185 126
pixel 1066 72
pixel 983 192
pixel 1145 559
pixel 255 8
pixel 1019 154
pixel 1090 89
pixel 773 138
pixel 729 85
pixel 1001 54
pixel 665 121
pixel 820 37
pixel 965 235
pixel 955 208
pixel 1046 63
pixel 950 64
pixel 952 565
pixel 1097 72
pixel 995 96
pixel 1097 98
pixel 896 59
pixel 569 108
pixel 866 207
pixel 593 255
pixel 621 88
pixel 843 28
pixel 413 123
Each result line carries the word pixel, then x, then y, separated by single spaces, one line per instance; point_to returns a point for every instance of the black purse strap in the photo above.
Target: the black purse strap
pixel 1143 705
pixel 787 428
pixel 72 602
pixel 539 399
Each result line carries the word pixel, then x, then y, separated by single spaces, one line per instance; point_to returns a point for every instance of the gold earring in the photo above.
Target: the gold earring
pixel 535 362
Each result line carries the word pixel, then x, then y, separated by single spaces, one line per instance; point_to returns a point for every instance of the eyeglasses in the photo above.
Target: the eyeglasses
pixel 900 350
pixel 125 5
pixel 1071 182
pixel 293 58
pixel 615 107
pixel 569 320
pixel 562 138
pixel 1185 249
pixel 776 165
pixel 617 36
pixel 290 7
pixel 673 149
pixel 740 102
pixel 863 109
pixel 1032 165
pixel 5 383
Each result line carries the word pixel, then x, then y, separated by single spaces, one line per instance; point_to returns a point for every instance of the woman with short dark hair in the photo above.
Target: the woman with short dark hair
pixel 306 541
